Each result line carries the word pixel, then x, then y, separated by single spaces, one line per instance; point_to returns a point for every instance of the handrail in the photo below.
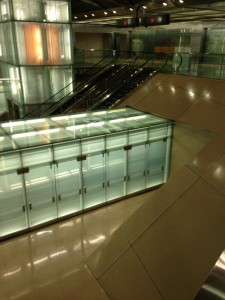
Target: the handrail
pixel 128 79
pixel 201 65
pixel 79 85
pixel 58 105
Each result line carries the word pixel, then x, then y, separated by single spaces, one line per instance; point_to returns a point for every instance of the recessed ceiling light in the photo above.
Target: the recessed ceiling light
pixel 105 13
pixel 131 9
pixel 181 1
pixel 75 17
pixel 114 11
pixel 165 3
pixel 144 7
pixel 85 16
pixel 93 15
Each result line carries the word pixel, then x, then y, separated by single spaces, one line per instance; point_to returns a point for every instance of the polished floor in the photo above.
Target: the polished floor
pixel 160 245
pixel 45 264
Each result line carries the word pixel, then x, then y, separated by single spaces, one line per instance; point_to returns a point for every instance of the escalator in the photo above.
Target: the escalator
pixel 103 90
pixel 131 83
pixel 91 75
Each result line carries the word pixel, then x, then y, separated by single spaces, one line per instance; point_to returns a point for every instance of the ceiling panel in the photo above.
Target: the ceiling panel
pixel 87 11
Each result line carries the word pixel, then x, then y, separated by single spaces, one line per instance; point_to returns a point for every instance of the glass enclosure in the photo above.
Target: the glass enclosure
pixel 56 167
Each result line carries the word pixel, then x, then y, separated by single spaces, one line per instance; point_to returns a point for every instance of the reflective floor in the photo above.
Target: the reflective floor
pixel 49 263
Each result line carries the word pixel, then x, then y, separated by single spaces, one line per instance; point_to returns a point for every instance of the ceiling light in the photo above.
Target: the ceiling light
pixel 181 1
pixel 105 13
pixel 114 11
pixel 131 9
pixel 93 15
pixel 144 7
pixel 75 17
pixel 165 3
pixel 85 16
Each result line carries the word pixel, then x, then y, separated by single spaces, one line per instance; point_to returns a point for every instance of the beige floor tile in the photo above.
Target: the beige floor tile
pixel 200 86
pixel 127 279
pixel 215 174
pixel 216 93
pixel 44 264
pixel 208 155
pixel 157 204
pixel 167 100
pixel 108 253
pixel 205 114
pixel 78 283
pixel 186 143
pixel 180 249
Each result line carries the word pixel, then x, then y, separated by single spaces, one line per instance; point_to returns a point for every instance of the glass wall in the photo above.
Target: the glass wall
pixel 35 50
pixel 52 168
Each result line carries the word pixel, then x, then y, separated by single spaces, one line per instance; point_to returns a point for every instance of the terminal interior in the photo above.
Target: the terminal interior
pixel 141 235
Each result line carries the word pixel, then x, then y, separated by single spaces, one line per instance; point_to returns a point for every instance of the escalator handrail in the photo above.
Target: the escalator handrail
pixel 71 83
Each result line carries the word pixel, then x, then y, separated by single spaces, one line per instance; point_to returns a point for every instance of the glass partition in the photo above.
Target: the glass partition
pixel 60 166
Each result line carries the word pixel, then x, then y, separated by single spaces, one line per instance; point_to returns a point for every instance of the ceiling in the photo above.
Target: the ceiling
pixel 107 11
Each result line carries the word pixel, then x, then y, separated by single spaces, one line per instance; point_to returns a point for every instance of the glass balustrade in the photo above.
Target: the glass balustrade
pixel 52 168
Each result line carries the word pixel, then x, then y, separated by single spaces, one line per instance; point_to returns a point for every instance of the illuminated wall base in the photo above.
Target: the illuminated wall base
pixel 41 184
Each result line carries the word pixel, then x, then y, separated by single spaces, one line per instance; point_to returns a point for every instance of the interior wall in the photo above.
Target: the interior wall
pixel 89 40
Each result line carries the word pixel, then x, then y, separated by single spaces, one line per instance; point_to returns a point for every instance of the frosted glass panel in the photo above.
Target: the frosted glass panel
pixel 37 156
pixel 47 44
pixel 7 42
pixel 93 169
pixel 63 151
pixel 136 164
pixel 116 165
pixel 27 10
pixel 57 11
pixel 4 11
pixel 93 145
pixel 12 204
pixel 156 163
pixel 116 140
pixel 36 84
pixel 10 161
pixel 68 186
pixel 158 132
pixel 41 198
pixel 138 136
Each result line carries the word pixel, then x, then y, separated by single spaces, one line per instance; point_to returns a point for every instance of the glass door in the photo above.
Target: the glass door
pixel 156 163
pixel 68 187
pixel 93 172
pixel 136 166
pixel 115 170
pixel 41 196
pixel 13 216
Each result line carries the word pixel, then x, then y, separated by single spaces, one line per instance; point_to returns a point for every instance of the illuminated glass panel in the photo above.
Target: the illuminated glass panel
pixel 68 182
pixel 13 215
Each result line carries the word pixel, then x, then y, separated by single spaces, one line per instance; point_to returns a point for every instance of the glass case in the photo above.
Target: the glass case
pixel 59 166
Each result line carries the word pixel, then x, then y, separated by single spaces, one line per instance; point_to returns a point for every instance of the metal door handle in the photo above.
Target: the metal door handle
pixel 30 206
pixel 23 207
pixel 53 199
pixel 85 190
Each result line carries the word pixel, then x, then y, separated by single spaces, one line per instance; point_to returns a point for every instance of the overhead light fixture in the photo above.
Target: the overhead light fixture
pixel 105 13
pixel 131 9
pixel 85 16
pixel 144 7
pixel 114 11
pixel 164 3
pixel 75 17
pixel 93 15
pixel 181 1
